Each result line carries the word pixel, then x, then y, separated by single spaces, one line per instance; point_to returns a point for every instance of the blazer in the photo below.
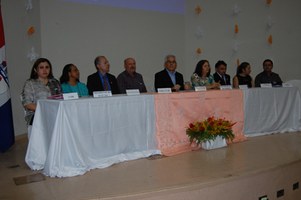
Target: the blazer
pixel 94 83
pixel 162 80
pixel 219 79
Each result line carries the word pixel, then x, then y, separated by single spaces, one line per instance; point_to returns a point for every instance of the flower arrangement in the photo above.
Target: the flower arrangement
pixel 209 129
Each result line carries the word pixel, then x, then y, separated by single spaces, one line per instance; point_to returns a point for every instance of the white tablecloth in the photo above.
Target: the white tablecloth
pixel 78 135
pixel 71 137
pixel 272 110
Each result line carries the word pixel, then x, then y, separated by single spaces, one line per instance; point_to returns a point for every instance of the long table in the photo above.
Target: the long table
pixel 71 137
pixel 175 111
pixel 272 110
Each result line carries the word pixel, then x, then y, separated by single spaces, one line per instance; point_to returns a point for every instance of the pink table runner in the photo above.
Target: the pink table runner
pixel 175 111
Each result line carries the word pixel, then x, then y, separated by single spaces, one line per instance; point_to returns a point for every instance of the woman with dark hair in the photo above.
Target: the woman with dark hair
pixel 242 76
pixel 70 81
pixel 40 85
pixel 202 76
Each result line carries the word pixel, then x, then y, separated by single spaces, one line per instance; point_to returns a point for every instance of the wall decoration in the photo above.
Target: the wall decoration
pixel 199 33
pixel 270 23
pixel 270 39
pixel 29 5
pixel 236 29
pixel 198 51
pixel 30 31
pixel 198 10
pixel 235 47
pixel 268 2
pixel 236 10
pixel 32 55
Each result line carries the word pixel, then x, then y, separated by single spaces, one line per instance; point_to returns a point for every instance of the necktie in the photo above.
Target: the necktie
pixel 224 78
pixel 105 83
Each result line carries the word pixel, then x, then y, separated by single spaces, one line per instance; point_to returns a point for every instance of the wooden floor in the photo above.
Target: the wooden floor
pixel 261 166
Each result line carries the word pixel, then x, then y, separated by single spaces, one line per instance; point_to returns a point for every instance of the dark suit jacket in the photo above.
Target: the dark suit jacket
pixel 219 79
pixel 94 83
pixel 162 80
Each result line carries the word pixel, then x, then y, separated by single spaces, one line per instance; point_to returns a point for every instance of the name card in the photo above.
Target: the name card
pixel 97 94
pixel 287 85
pixel 243 87
pixel 132 92
pixel 164 90
pixel 69 96
pixel 200 88
pixel 266 85
pixel 226 87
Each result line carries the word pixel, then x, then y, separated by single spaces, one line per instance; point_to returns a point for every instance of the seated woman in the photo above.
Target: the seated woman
pixel 40 85
pixel 242 76
pixel 202 77
pixel 70 81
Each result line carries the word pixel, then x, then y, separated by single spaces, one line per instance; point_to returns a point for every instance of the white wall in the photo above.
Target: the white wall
pixel 16 22
pixel 217 22
pixel 76 33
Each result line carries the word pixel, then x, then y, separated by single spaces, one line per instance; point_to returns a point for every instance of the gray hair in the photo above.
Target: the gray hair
pixel 169 56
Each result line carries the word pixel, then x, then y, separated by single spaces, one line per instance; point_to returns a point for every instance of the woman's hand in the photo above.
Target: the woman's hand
pixel 31 107
pixel 214 86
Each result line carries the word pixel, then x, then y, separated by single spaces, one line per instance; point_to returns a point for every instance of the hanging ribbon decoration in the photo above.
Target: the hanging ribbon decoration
pixel 236 29
pixel 30 31
pixel 270 39
pixel 198 10
pixel 198 51
pixel 268 2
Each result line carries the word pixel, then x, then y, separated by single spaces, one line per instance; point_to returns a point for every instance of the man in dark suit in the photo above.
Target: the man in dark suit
pixel 168 77
pixel 220 75
pixel 102 80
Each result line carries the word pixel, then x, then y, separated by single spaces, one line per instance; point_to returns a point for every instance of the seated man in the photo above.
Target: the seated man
pixel 267 76
pixel 168 77
pixel 220 75
pixel 102 80
pixel 129 78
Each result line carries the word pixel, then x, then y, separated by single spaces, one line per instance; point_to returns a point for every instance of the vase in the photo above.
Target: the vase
pixel 218 142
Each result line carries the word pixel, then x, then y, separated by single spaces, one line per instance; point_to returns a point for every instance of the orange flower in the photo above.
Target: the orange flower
pixel 210 119
pixel 201 128
pixel 209 129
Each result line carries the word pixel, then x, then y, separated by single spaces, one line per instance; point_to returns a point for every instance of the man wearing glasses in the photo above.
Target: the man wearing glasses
pixel 169 77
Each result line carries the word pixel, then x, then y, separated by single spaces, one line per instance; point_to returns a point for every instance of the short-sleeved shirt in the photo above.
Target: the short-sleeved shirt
pixel 34 89
pixel 80 88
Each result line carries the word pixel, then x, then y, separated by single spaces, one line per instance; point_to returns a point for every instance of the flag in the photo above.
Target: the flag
pixel 7 137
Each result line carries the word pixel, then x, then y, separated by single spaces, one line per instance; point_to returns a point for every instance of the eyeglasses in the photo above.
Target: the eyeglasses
pixel 171 62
